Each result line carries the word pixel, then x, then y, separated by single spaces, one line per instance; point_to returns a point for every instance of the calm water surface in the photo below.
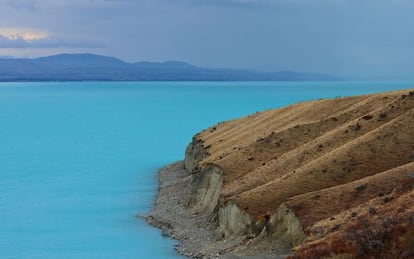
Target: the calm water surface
pixel 78 161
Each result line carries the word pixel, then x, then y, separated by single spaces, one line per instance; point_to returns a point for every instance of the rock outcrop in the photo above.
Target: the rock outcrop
pixel 311 177
pixel 206 187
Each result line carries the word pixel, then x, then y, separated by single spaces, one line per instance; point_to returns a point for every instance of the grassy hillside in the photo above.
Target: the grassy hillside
pixel 344 167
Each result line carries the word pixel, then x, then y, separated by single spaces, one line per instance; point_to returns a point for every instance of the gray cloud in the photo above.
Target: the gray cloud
pixel 367 38
pixel 47 43
pixel 19 5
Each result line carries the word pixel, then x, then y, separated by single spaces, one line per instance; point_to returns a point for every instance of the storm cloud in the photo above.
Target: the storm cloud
pixel 358 39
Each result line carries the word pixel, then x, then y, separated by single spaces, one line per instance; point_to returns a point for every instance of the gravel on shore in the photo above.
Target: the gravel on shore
pixel 196 233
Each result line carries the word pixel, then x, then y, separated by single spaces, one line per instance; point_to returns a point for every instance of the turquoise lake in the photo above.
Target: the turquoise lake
pixel 78 161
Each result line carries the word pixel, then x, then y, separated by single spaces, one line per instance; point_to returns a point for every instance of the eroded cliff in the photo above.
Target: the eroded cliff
pixel 307 176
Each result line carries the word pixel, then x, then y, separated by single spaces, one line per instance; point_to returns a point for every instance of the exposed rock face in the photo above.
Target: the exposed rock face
pixel 285 227
pixel 234 221
pixel 206 187
pixel 194 154
pixel 295 175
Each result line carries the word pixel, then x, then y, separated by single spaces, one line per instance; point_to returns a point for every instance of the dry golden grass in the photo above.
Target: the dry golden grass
pixel 320 208
pixel 326 160
pixel 383 228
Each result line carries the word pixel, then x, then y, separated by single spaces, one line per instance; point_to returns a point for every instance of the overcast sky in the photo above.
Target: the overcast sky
pixel 355 38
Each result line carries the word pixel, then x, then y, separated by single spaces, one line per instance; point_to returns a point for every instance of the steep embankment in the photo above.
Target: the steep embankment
pixel 312 176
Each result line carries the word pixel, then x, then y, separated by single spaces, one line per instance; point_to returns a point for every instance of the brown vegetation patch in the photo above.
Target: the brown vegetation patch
pixel 344 167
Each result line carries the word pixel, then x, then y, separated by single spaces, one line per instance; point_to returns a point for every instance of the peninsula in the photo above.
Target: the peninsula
pixel 331 178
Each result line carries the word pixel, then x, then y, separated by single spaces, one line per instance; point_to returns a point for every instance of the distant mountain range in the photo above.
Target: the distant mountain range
pixel 89 67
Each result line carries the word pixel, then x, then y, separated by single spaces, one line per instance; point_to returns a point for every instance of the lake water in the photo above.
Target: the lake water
pixel 78 161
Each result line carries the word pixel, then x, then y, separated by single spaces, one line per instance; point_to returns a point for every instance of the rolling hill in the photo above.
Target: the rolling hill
pixel 331 178
pixel 89 67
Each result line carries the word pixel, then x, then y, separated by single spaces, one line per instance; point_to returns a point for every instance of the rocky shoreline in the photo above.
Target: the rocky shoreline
pixel 196 232
pixel 311 180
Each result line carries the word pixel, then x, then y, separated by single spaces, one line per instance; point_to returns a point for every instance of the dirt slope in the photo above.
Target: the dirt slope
pixel 310 174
